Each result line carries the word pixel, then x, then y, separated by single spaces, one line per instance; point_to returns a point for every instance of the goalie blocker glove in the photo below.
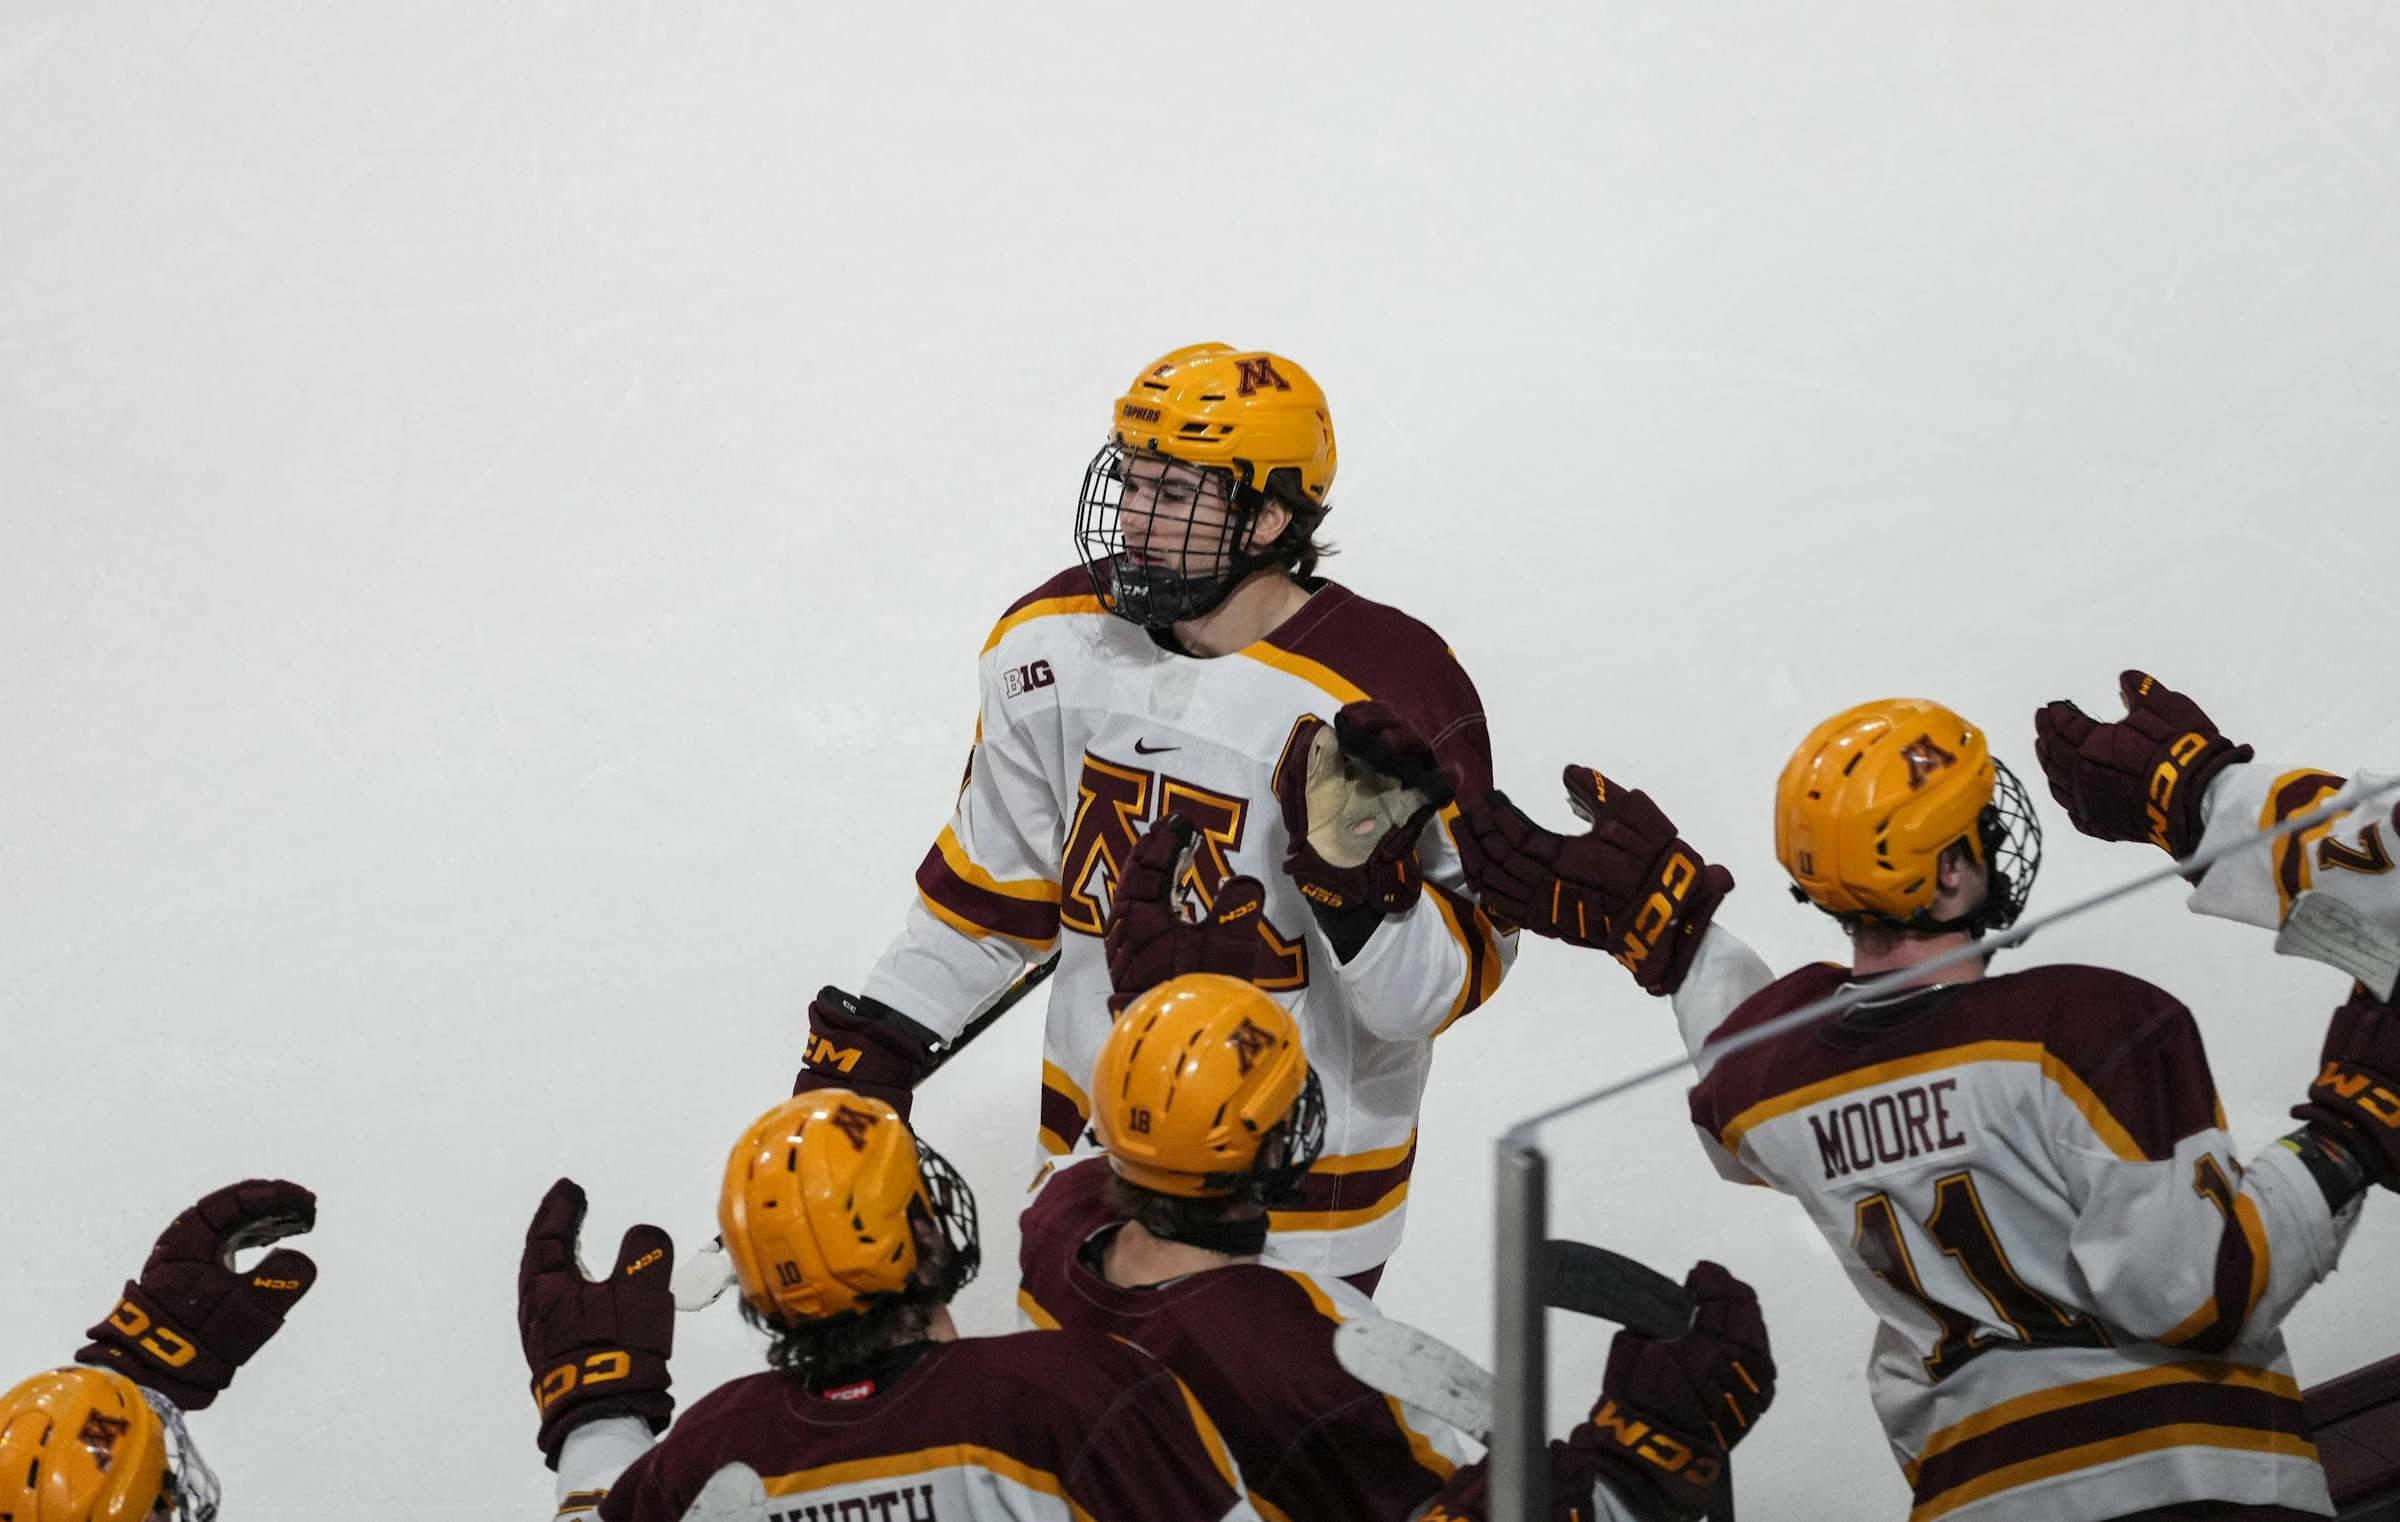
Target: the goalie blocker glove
pixel 2357 1091
pixel 192 1318
pixel 865 1046
pixel 1149 941
pixel 1355 795
pixel 1630 886
pixel 2140 778
pixel 596 1349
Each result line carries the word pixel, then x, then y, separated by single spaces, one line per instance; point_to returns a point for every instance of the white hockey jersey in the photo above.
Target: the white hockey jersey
pixel 1089 731
pixel 2029 1179
pixel 2348 856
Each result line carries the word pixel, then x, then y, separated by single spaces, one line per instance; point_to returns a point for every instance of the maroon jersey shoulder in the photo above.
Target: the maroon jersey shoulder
pixel 1057 1402
pixel 1074 581
pixel 2125 1041
pixel 1395 659
pixel 1254 1343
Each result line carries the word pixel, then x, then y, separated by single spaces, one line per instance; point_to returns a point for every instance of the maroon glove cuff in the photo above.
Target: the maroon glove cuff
pixel 602 1382
pixel 141 1341
pixel 865 1046
pixel 2357 1088
pixel 1661 1472
pixel 1659 933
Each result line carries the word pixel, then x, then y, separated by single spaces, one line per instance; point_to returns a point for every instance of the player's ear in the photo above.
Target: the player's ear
pixel 1273 519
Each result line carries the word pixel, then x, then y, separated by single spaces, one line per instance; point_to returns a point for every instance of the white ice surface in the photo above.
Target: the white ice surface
pixel 498 504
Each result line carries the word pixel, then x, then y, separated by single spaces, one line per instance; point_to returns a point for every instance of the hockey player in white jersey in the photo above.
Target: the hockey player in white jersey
pixel 2165 773
pixel 2027 1176
pixel 1194 666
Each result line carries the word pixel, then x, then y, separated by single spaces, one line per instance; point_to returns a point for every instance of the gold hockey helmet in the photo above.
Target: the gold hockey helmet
pixel 1242 410
pixel 831 1202
pixel 80 1445
pixel 1876 794
pixel 1202 1089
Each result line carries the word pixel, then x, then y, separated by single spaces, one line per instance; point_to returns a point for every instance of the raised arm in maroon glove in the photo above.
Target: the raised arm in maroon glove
pixel 1630 886
pixel 1149 940
pixel 2357 1092
pixel 1670 1412
pixel 193 1318
pixel 596 1349
pixel 2140 778
pixel 1355 795
pixel 865 1046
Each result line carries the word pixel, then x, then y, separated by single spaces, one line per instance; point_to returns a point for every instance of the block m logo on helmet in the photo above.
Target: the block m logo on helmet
pixel 1924 758
pixel 852 1123
pixel 1252 376
pixel 1249 1043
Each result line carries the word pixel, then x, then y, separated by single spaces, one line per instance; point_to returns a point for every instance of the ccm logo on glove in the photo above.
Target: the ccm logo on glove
pixel 598 1368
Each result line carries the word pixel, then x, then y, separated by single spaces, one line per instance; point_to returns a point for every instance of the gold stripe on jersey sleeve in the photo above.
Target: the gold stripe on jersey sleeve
pixel 1482 976
pixel 897 1466
pixel 1317 674
pixel 969 928
pixel 1339 1220
pixel 2108 1451
pixel 1210 1438
pixel 2113 1135
pixel 1991 1418
pixel 1033 1310
pixel 1034 890
pixel 1048 607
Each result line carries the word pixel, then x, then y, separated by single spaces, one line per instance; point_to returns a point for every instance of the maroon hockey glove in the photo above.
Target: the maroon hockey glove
pixel 1669 1412
pixel 1149 940
pixel 2357 1092
pixel 1630 886
pixel 2141 778
pixel 865 1046
pixel 1355 796
pixel 193 1318
pixel 595 1349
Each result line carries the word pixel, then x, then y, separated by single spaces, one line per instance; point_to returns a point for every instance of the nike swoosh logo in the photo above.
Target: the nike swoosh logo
pixel 1140 749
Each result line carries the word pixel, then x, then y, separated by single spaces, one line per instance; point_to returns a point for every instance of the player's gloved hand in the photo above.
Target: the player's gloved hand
pixel 596 1349
pixel 2140 778
pixel 1467 1495
pixel 866 1046
pixel 193 1318
pixel 1630 885
pixel 1669 1412
pixel 1355 795
pixel 1148 939
pixel 2357 1091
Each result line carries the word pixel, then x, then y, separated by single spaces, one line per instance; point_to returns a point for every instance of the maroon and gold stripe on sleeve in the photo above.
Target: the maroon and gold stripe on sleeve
pixel 1473 931
pixel 2244 1261
pixel 2297 792
pixel 2228 1407
pixel 973 902
pixel 1066 1110
pixel 1350 1190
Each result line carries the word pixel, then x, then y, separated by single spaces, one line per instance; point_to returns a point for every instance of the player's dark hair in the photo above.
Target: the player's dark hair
pixel 842 1349
pixel 1299 547
pixel 1235 1225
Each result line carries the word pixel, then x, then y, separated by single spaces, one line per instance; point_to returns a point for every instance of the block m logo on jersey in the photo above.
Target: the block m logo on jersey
pixel 1115 803
pixel 1251 376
